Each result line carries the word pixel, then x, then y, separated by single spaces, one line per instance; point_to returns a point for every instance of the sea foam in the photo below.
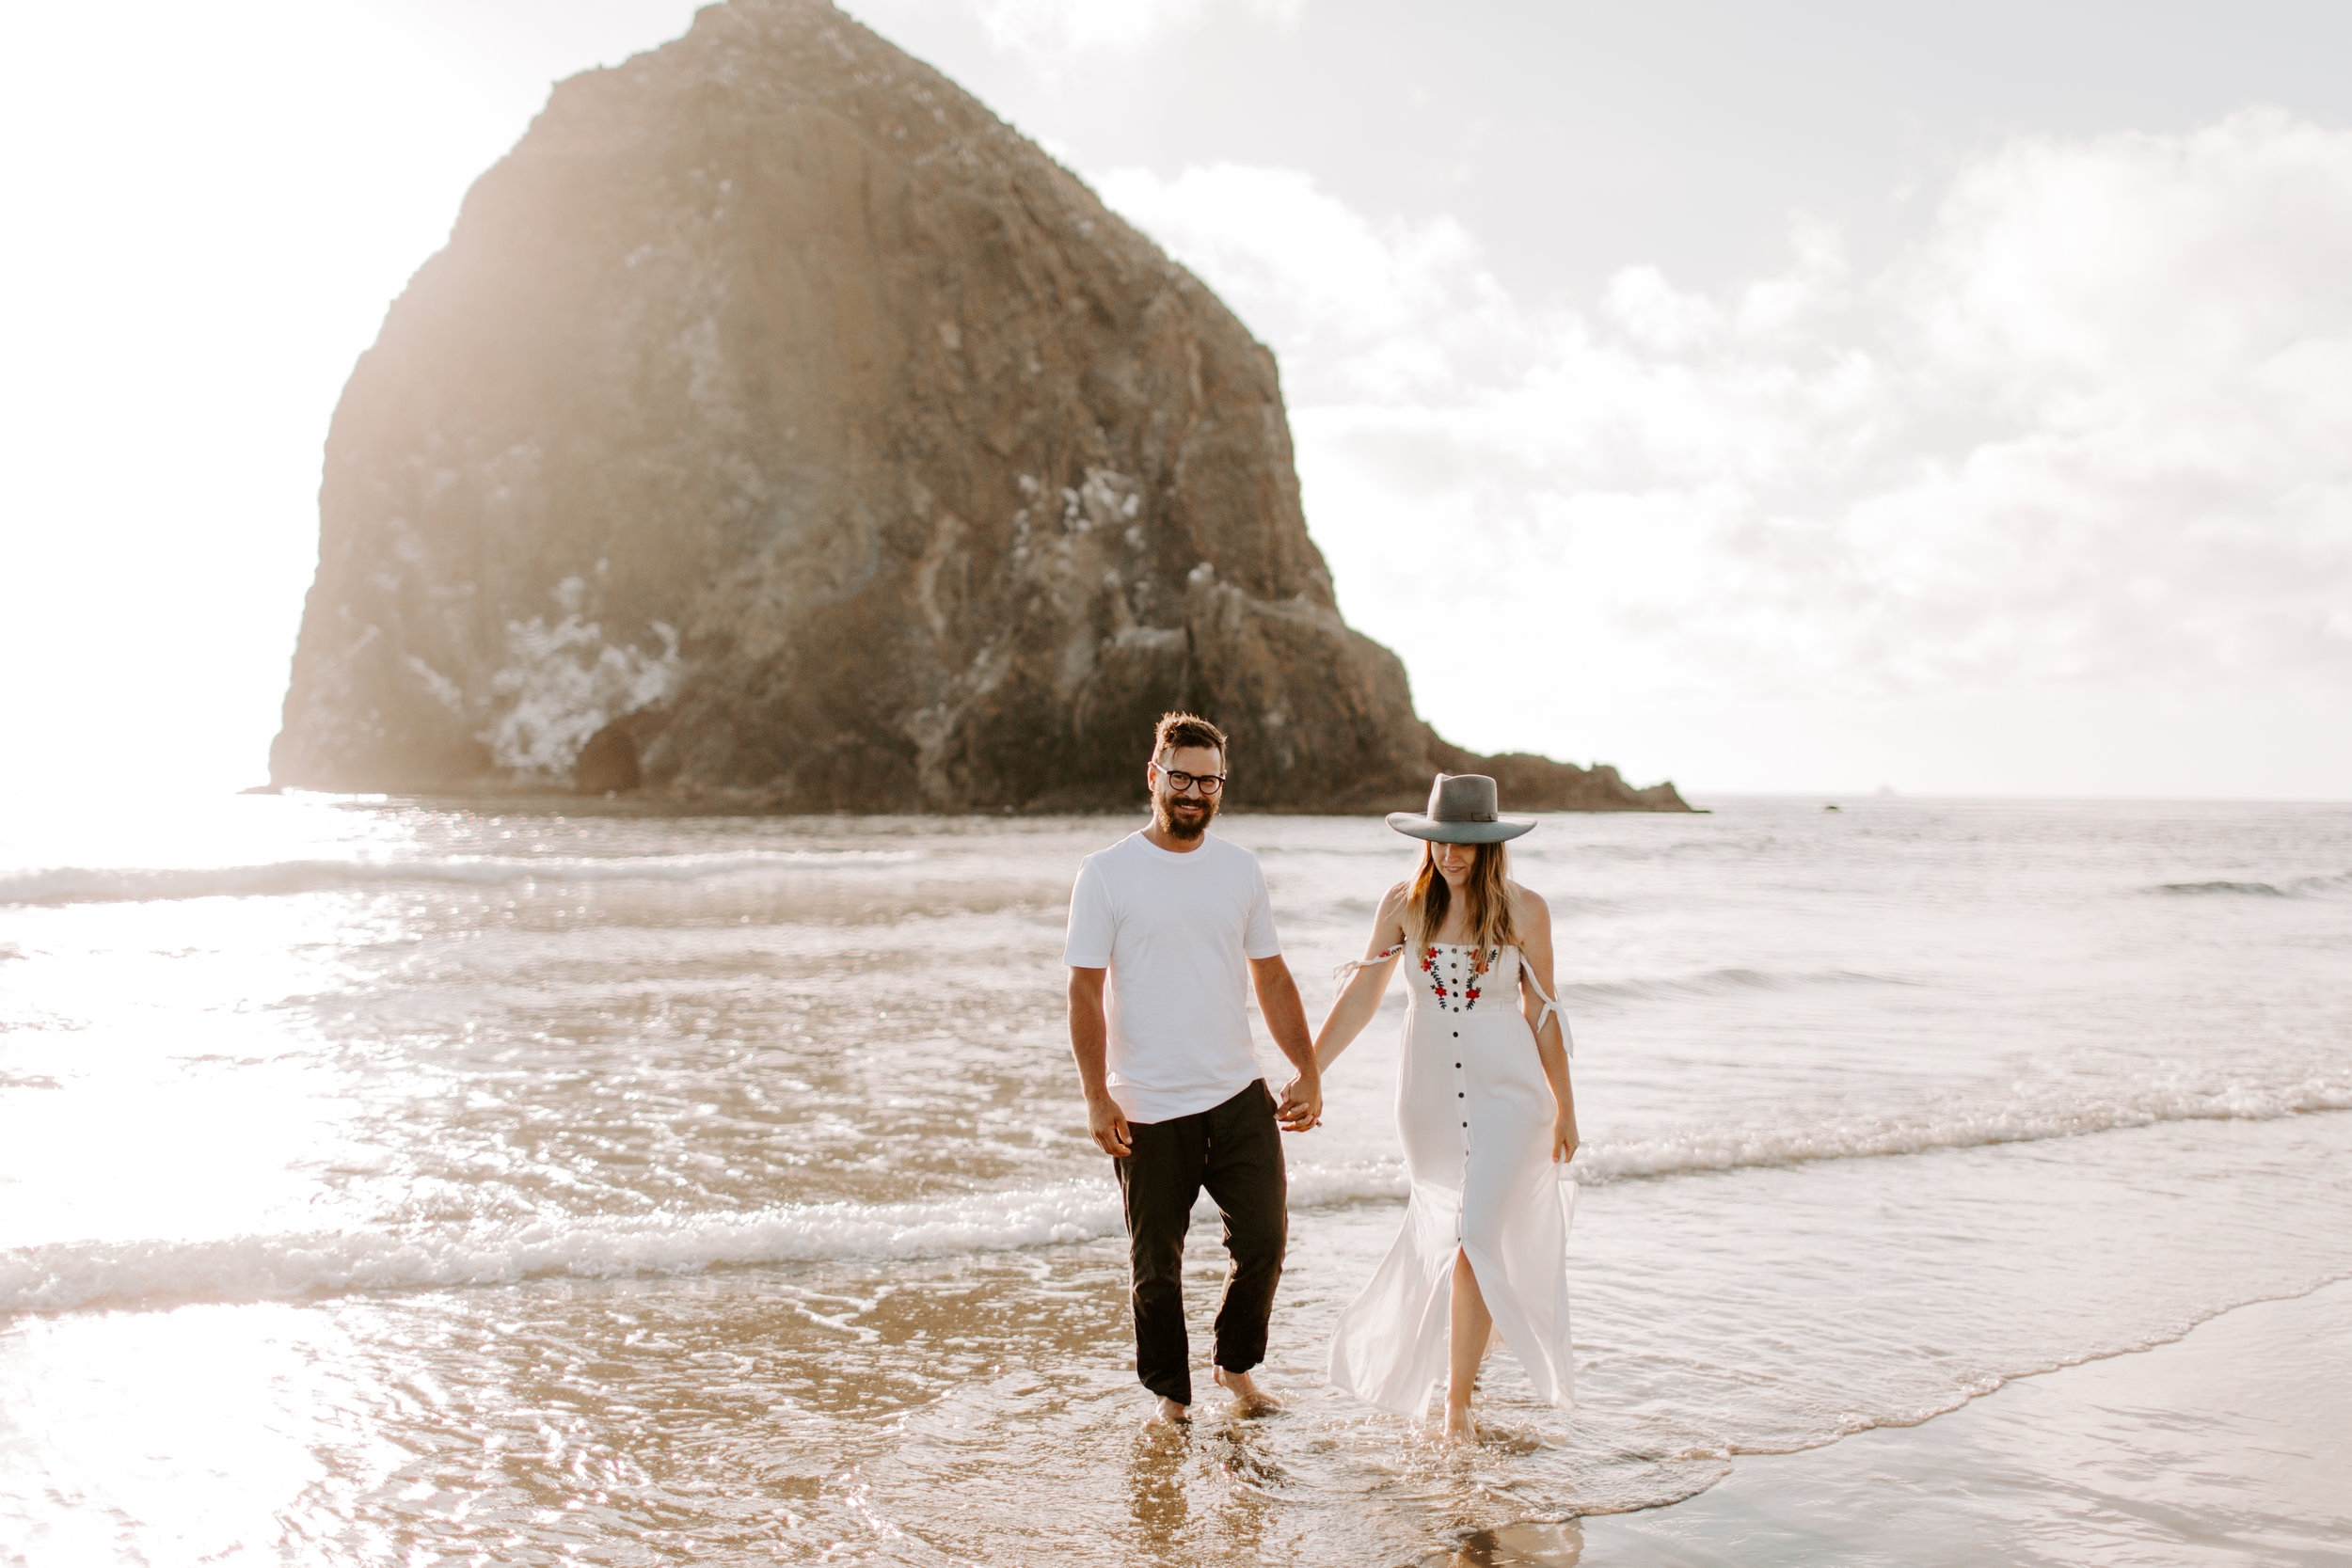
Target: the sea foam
pixel 76 884
pixel 61 1277
pixel 65 1277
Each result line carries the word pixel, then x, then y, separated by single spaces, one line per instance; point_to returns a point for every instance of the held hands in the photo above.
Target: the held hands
pixel 1108 1125
pixel 1302 1105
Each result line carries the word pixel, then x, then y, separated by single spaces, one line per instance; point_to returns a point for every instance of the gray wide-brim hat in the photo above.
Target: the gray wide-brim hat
pixel 1461 811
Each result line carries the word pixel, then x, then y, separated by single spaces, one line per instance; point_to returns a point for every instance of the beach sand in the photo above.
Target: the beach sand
pixel 2228 1446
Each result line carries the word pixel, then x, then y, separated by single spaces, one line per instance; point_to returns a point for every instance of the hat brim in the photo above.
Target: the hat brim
pixel 1415 825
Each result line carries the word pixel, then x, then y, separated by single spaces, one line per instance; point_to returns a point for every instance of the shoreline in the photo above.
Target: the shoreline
pixel 2221 1446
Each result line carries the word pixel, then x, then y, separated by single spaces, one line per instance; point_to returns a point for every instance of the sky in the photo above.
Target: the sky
pixel 1773 397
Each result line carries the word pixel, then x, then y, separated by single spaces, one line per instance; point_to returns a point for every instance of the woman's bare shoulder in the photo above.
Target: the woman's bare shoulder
pixel 1530 905
pixel 1388 922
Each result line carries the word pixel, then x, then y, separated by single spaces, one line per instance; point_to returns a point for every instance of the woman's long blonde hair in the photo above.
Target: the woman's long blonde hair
pixel 1429 899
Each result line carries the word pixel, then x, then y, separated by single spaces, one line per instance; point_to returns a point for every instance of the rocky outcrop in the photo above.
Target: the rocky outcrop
pixel 779 424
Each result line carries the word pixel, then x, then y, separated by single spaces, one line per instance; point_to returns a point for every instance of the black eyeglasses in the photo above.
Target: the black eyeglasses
pixel 1210 782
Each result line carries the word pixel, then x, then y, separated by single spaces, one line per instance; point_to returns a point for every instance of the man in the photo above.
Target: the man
pixel 1175 917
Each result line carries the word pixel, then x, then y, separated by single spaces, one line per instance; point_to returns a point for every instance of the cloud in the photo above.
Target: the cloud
pixel 2090 424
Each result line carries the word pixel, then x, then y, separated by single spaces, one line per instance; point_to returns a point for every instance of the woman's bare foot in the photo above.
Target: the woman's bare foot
pixel 1459 1428
pixel 1247 1399
pixel 1168 1413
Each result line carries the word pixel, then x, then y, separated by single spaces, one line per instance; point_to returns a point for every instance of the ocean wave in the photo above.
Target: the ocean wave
pixel 2299 887
pixel 75 884
pixel 61 1277
pixel 67 1276
pixel 261 1267
pixel 2028 1120
pixel 1716 982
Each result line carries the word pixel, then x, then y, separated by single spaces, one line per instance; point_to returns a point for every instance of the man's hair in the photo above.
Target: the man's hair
pixel 1185 729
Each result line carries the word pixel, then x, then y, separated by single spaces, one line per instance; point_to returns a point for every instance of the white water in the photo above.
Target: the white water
pixel 741 1155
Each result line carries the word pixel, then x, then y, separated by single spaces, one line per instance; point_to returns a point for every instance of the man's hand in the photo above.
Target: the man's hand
pixel 1109 1126
pixel 1089 1043
pixel 1302 1104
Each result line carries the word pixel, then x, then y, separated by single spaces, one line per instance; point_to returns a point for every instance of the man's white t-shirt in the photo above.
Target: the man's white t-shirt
pixel 1174 929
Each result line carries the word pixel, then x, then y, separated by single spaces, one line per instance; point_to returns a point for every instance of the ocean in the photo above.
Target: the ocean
pixel 391 1180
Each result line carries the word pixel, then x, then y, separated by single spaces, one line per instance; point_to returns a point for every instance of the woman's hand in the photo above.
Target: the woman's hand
pixel 1300 1108
pixel 1563 1139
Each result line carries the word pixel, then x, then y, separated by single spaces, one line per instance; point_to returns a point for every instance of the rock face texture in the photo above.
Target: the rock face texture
pixel 780 426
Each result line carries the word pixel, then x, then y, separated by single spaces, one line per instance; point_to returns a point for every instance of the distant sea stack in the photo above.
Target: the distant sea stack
pixel 780 427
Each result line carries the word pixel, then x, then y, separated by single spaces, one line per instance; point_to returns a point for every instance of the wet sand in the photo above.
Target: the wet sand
pixel 2229 1446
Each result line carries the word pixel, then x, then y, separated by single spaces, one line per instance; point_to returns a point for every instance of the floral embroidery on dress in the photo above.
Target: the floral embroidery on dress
pixel 1452 983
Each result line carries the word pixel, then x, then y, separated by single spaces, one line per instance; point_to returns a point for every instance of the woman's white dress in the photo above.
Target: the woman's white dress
pixel 1475 1114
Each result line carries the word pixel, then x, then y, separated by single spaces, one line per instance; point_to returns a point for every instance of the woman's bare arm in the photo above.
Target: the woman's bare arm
pixel 1361 997
pixel 1552 1046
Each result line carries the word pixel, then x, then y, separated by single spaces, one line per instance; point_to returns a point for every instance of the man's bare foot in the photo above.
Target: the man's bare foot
pixel 1168 1413
pixel 1459 1428
pixel 1247 1399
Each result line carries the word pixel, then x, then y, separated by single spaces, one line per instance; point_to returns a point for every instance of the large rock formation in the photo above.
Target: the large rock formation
pixel 779 424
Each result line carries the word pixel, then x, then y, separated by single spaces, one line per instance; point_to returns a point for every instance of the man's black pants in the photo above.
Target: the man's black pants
pixel 1235 1152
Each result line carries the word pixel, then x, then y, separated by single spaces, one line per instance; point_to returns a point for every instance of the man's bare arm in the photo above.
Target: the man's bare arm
pixel 1286 1018
pixel 1090 1043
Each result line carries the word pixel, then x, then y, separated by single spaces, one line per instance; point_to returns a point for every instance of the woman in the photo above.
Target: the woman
pixel 1485 1114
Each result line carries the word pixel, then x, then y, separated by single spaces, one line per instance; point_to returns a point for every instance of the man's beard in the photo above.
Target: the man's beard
pixel 1186 826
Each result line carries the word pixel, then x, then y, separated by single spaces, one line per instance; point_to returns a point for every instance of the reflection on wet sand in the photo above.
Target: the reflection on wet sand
pixel 1558 1545
pixel 1155 1490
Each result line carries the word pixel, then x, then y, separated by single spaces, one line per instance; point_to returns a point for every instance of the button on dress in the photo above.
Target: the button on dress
pixel 1475 1114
